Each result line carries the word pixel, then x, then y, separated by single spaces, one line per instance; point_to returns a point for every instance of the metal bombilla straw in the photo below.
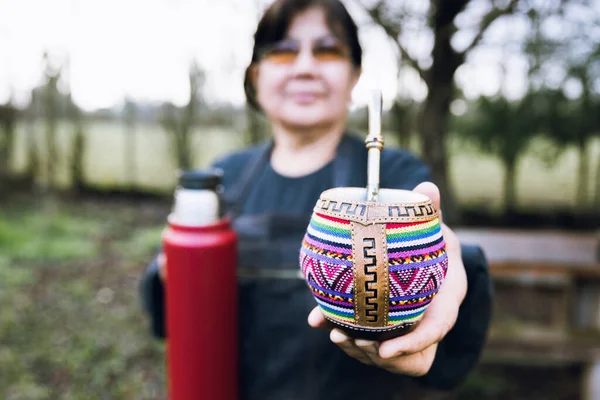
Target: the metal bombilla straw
pixel 374 143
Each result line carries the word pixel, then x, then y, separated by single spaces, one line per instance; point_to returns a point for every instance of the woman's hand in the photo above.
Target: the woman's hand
pixel 161 259
pixel 413 353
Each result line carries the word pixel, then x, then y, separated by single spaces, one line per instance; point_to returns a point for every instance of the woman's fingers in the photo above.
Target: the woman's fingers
pixel 437 321
pixel 416 364
pixel 316 319
pixel 368 346
pixel 161 259
pixel 369 352
pixel 430 190
pixel 348 346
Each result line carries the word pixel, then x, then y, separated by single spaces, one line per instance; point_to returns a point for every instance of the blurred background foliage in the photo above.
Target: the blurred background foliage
pixel 84 195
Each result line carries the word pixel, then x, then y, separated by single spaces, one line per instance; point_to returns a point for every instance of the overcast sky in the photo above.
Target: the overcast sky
pixel 142 48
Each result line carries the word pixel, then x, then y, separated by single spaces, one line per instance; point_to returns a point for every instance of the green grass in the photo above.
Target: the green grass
pixel 141 243
pixel 48 237
pixel 71 324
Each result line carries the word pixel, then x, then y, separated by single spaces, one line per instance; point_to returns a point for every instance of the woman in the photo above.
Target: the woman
pixel 305 63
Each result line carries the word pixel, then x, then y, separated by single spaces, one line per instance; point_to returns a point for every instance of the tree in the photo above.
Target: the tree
pixel 32 172
pixel 358 119
pixel 596 202
pixel 575 122
pixel 402 117
pixel 504 129
pixel 178 122
pixel 256 127
pixel 444 60
pixel 78 146
pixel 570 63
pixel 129 117
pixel 51 114
pixel 8 122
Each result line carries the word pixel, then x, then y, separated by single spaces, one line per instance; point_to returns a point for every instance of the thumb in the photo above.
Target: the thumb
pixel 316 319
pixel 430 190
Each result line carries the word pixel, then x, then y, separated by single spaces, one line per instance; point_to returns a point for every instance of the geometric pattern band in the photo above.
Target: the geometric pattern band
pixel 367 213
pixel 371 285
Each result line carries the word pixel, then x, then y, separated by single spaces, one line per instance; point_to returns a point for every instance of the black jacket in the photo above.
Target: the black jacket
pixel 281 356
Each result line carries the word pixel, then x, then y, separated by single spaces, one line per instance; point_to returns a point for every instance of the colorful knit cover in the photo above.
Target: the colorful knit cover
pixel 416 267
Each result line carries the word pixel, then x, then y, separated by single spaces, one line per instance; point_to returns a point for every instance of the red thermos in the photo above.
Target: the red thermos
pixel 201 293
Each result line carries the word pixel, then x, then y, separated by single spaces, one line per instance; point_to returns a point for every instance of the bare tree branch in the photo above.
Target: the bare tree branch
pixel 394 33
pixel 487 20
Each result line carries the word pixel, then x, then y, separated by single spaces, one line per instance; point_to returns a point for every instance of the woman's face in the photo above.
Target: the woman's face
pixel 306 79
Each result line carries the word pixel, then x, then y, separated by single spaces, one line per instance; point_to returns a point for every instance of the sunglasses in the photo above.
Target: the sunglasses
pixel 323 50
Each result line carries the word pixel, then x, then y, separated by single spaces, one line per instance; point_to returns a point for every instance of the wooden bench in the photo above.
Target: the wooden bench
pixel 546 300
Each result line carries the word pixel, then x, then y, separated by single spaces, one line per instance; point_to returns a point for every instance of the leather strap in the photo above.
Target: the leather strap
pixel 371 286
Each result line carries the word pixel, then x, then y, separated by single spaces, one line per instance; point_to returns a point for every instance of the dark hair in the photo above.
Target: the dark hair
pixel 276 21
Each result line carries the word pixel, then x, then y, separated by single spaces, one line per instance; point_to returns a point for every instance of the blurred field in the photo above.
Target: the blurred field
pixel 105 164
pixel 477 178
pixel 71 324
